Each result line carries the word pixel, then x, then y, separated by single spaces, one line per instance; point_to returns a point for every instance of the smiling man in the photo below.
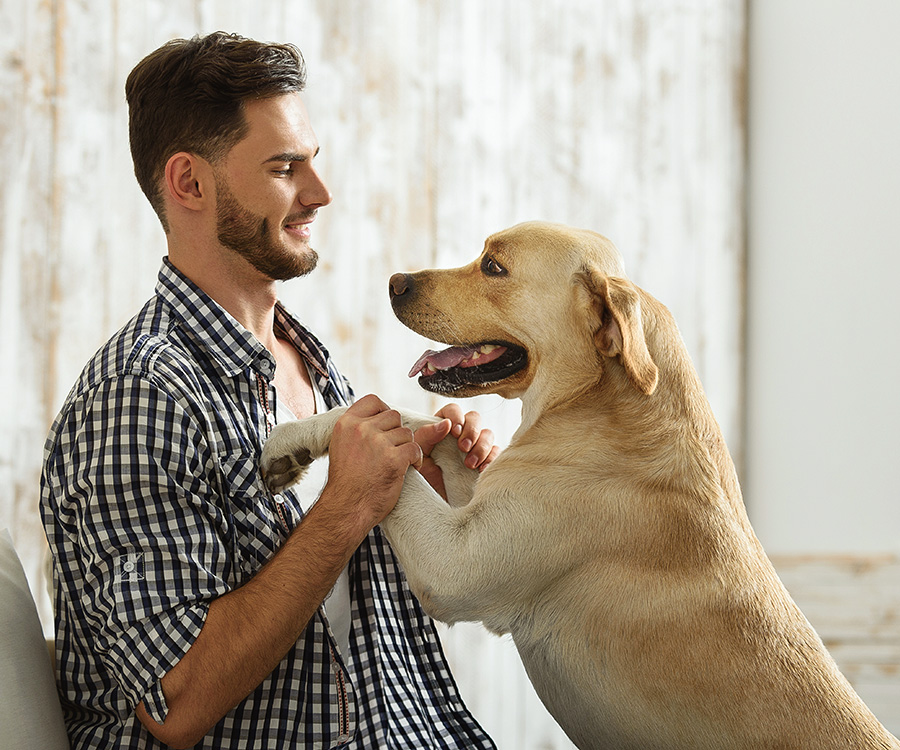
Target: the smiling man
pixel 195 609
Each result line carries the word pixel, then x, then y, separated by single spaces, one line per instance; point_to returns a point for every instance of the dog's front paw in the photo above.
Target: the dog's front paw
pixel 293 446
pixel 283 462
pixel 280 472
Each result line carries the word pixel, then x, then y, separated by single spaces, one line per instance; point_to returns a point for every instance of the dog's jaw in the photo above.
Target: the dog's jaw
pixel 497 363
pixel 473 376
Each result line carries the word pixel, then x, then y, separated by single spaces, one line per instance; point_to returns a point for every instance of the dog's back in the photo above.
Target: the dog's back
pixel 682 636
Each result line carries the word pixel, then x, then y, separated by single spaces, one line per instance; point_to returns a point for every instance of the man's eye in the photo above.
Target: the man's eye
pixel 284 172
pixel 491 267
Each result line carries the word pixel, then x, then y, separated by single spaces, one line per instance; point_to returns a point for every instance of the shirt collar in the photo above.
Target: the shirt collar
pixel 309 346
pixel 232 346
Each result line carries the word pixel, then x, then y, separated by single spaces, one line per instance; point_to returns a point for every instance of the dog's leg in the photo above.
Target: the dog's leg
pixel 453 576
pixel 431 537
pixel 459 479
pixel 293 446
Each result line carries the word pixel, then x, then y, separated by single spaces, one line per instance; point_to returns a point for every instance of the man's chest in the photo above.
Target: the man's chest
pixel 292 383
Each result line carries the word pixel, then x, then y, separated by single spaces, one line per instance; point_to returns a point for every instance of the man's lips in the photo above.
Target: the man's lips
pixel 300 225
pixel 301 230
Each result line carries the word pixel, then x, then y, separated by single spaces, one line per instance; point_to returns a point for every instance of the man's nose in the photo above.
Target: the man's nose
pixel 315 192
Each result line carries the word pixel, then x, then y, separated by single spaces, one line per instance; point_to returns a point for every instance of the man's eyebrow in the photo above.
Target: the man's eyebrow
pixel 289 156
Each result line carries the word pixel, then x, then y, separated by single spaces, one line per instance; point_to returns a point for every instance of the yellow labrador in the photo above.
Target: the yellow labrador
pixel 610 537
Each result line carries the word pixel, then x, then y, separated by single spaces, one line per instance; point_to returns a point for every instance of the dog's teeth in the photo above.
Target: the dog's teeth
pixel 487 348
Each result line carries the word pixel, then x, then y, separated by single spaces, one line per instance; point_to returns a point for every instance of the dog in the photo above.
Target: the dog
pixel 609 538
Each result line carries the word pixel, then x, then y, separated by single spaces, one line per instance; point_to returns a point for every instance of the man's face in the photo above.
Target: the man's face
pixel 268 192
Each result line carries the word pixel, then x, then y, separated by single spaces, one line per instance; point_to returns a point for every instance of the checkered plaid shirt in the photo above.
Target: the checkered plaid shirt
pixel 154 506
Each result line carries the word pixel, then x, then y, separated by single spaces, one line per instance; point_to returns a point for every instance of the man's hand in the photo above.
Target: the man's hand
pixel 473 440
pixel 369 454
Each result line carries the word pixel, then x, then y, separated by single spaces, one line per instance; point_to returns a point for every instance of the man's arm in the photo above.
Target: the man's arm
pixel 248 631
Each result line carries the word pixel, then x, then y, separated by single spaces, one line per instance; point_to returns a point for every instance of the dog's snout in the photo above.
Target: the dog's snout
pixel 400 285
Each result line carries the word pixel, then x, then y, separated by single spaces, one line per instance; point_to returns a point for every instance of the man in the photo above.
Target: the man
pixel 190 601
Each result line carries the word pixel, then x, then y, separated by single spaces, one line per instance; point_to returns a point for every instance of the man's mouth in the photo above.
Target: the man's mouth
pixel 300 225
pixel 299 230
pixel 458 367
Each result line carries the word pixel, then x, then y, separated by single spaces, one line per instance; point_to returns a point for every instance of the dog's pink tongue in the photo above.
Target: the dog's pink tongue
pixel 462 356
pixel 442 360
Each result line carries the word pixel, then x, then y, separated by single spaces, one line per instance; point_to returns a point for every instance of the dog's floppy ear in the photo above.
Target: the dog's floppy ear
pixel 618 330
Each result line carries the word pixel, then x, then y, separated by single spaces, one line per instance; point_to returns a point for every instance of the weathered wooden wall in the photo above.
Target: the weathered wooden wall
pixel 853 602
pixel 439 123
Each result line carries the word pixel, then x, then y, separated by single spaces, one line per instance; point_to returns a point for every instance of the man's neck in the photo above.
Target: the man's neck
pixel 246 294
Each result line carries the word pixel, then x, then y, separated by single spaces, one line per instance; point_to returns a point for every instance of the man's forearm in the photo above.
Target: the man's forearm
pixel 248 631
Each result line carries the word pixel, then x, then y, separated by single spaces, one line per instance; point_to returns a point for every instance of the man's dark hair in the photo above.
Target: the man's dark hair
pixel 189 94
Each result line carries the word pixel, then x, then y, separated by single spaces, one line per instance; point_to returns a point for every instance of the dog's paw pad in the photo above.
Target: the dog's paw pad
pixel 285 464
pixel 302 457
pixel 281 472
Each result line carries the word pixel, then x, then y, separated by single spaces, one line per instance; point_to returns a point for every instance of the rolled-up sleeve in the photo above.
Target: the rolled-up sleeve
pixel 137 489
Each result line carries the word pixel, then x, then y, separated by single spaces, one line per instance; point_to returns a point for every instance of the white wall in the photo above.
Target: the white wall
pixel 823 441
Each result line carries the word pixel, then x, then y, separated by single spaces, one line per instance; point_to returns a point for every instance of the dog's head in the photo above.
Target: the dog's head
pixel 540 298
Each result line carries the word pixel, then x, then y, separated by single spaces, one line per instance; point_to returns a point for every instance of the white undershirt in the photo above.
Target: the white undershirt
pixel 337 603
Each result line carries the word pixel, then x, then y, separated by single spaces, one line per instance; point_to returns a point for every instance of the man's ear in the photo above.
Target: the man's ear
pixel 617 327
pixel 188 180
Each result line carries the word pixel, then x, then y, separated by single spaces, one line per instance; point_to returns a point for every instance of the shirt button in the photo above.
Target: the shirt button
pixel 128 566
pixel 265 367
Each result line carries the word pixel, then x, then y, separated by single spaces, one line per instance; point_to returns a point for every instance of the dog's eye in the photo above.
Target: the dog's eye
pixel 490 267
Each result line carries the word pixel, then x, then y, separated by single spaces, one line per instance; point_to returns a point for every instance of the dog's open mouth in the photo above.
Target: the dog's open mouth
pixel 459 367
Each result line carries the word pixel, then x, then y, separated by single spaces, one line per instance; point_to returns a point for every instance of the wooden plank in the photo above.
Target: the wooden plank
pixel 853 602
pixel 28 251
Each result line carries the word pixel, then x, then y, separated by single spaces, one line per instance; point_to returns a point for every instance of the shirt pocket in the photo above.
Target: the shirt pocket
pixel 260 525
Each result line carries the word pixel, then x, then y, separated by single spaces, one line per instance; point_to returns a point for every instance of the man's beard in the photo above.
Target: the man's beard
pixel 248 234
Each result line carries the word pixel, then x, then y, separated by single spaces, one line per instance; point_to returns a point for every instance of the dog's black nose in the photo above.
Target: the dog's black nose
pixel 400 284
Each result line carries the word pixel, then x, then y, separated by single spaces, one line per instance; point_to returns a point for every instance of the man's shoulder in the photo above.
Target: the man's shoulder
pixel 150 344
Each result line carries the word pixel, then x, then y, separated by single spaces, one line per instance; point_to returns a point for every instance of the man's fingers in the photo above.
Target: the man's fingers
pixel 475 442
pixel 369 413
pixel 430 435
pixel 454 413
pixel 495 451
pixel 418 457
pixel 409 453
pixel 482 449
pixel 368 406
pixel 471 432
pixel 398 436
pixel 464 427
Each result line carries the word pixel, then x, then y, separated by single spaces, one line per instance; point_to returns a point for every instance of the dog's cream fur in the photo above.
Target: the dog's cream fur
pixel 610 537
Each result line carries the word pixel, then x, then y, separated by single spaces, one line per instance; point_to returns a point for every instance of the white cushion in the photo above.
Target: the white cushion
pixel 30 714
